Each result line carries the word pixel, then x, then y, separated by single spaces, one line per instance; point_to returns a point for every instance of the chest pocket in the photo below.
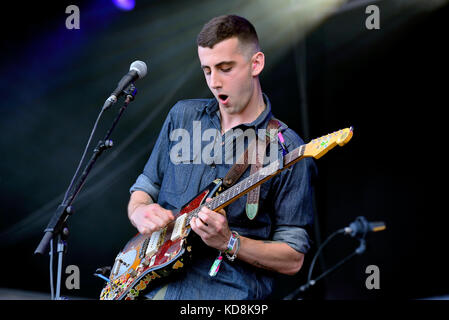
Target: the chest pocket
pixel 177 178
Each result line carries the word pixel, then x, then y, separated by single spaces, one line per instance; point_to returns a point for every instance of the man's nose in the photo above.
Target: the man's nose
pixel 215 81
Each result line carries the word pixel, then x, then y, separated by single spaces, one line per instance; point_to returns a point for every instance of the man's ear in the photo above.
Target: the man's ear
pixel 257 63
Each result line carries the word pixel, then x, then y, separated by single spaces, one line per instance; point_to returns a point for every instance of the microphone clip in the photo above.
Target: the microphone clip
pixel 130 92
pixel 358 228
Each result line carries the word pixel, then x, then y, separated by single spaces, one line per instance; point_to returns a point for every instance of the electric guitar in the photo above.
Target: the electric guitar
pixel 146 260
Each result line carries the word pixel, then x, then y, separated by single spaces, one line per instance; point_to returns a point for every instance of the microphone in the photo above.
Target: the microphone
pixel 361 226
pixel 137 70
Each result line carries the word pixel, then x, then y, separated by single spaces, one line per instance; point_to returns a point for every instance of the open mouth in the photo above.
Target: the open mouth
pixel 223 98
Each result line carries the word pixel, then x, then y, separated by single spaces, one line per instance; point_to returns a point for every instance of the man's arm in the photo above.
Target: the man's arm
pixel 146 215
pixel 272 255
pixel 213 228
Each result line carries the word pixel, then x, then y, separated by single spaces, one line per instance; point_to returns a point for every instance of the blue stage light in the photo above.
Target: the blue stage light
pixel 126 5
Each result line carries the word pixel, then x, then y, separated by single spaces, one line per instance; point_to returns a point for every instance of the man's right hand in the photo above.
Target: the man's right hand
pixel 150 218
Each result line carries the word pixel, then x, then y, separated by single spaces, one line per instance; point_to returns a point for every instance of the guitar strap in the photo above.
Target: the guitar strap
pixel 236 171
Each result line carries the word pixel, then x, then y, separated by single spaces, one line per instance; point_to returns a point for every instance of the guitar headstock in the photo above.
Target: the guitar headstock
pixel 318 147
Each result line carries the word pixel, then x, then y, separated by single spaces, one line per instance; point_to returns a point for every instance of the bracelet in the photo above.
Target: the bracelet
pixel 234 241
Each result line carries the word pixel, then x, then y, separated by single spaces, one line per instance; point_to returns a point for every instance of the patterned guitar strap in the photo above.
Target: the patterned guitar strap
pixel 236 171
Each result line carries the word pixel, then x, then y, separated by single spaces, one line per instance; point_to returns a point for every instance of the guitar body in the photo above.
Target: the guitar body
pixel 146 260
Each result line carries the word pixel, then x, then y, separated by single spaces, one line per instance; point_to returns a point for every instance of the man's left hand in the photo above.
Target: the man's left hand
pixel 212 227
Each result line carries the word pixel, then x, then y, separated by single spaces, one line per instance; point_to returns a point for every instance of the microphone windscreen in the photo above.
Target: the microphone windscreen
pixel 140 67
pixel 377 226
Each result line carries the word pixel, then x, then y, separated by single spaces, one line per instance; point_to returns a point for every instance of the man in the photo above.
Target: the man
pixel 276 240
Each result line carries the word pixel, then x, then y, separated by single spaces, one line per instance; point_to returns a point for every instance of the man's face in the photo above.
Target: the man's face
pixel 227 69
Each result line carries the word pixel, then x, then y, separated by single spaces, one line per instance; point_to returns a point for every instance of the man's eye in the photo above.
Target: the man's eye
pixel 226 69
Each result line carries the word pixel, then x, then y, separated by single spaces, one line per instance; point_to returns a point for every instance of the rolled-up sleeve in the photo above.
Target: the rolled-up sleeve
pixel 151 178
pixel 143 183
pixel 293 200
pixel 295 237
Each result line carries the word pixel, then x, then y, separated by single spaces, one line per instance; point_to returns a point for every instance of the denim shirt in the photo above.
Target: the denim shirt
pixel 285 202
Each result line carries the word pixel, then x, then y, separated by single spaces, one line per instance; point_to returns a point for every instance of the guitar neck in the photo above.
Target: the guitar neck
pixel 251 182
pixel 315 148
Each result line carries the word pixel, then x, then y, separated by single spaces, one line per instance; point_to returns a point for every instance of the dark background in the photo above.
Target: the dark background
pixel 332 73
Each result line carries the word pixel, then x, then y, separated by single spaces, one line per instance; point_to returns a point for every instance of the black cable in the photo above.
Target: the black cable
pixel 317 254
pixel 83 156
pixel 65 198
pixel 319 251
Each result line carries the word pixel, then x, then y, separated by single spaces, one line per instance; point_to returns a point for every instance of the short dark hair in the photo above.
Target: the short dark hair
pixel 225 27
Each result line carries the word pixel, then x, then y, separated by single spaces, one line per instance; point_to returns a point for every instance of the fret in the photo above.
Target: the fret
pixel 221 198
pixel 301 150
pixel 239 187
pixel 226 195
pixel 295 154
pixel 289 158
pixel 234 192
pixel 257 177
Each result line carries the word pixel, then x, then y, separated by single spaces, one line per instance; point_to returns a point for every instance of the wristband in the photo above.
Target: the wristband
pixel 232 241
pixel 235 241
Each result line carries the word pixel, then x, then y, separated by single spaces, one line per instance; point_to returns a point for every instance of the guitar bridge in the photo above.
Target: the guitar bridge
pixel 143 248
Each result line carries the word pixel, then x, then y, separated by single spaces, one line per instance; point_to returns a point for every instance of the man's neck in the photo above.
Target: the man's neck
pixel 250 113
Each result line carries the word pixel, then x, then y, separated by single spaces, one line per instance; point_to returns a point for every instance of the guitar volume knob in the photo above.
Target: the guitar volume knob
pixel 145 262
pixel 132 273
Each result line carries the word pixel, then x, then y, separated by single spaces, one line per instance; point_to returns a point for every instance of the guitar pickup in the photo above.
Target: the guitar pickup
pixel 156 239
pixel 178 229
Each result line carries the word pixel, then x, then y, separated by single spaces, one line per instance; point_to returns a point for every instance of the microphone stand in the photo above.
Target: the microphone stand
pixel 57 228
pixel 310 282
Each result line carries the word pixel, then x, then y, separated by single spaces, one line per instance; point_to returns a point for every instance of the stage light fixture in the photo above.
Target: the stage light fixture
pixel 126 5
